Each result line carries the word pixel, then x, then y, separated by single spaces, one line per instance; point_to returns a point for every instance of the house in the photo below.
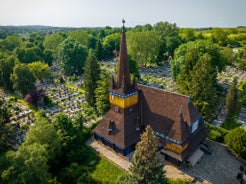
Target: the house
pixel 173 117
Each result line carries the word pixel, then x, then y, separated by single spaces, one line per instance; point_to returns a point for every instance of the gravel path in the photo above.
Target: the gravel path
pixel 219 168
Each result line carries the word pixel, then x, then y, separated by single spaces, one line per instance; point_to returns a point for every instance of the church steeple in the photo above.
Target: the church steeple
pixel 123 77
pixel 123 93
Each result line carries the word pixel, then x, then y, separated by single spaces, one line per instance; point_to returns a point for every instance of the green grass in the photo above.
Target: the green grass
pixel 106 172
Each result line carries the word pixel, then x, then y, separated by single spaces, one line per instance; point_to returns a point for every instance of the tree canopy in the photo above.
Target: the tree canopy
pixel 72 56
pixel 143 47
pixel 236 141
pixel 194 68
pixel 22 78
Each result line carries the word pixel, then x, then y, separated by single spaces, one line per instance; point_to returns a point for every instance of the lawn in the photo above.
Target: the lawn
pixel 106 172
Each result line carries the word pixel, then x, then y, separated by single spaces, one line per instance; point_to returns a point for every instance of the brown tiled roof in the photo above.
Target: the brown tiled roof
pixel 161 109
pixel 124 132
pixel 179 130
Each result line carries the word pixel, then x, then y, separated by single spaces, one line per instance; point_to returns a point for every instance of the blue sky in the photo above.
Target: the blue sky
pixel 100 13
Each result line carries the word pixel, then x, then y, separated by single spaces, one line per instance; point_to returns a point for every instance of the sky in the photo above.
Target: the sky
pixel 101 13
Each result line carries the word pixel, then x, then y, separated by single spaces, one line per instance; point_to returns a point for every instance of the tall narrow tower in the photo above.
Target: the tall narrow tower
pixel 123 93
pixel 120 127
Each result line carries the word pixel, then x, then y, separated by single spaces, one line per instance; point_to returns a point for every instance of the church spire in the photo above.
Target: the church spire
pixel 123 77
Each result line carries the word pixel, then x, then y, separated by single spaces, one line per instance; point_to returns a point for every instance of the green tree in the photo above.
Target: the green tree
pixel 236 141
pixel 10 43
pixel 22 78
pixel 40 71
pixel 219 36
pixel 47 56
pixel 187 34
pixel 170 38
pixel 44 133
pixel 201 86
pixel 110 44
pixel 143 46
pixel 28 55
pixel 231 98
pixel 84 38
pixel 28 165
pixel 146 165
pixel 91 76
pixel 99 50
pixel 53 41
pixel 242 59
pixel 133 67
pixel 102 95
pixel 72 140
pixel 6 69
pixel 73 57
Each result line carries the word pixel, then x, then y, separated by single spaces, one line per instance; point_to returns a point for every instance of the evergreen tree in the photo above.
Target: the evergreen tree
pixel 202 88
pixel 146 166
pixel 101 94
pixel 91 76
pixel 99 51
pixel 231 98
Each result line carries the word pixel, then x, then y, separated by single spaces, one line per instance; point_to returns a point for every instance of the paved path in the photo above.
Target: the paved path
pixel 171 171
pixel 219 168
pixel 110 155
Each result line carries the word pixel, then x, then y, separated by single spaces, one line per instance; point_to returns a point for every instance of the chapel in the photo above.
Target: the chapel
pixel 174 119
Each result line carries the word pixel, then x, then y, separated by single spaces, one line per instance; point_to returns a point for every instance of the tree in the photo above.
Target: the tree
pixel 195 67
pixel 110 44
pixel 10 43
pixel 28 165
pixel 28 55
pixel 102 95
pixel 99 51
pixel 91 76
pixel 47 56
pixel 133 67
pixel 146 166
pixel 202 88
pixel 40 70
pixel 83 37
pixel 143 46
pixel 242 59
pixel 187 55
pixel 6 68
pixel 53 41
pixel 187 34
pixel 44 133
pixel 73 57
pixel 236 141
pixel 231 98
pixel 170 38
pixel 219 36
pixel 22 78
pixel 35 97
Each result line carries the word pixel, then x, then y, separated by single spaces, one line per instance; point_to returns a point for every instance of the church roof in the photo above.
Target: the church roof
pixel 161 109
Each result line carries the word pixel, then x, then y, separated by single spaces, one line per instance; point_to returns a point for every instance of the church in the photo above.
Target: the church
pixel 174 119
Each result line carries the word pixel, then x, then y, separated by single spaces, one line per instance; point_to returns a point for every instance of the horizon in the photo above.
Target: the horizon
pixel 95 13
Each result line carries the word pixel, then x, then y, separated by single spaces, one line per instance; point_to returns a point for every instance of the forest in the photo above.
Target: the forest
pixel 54 89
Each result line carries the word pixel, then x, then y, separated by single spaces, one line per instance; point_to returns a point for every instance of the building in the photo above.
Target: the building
pixel 172 116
